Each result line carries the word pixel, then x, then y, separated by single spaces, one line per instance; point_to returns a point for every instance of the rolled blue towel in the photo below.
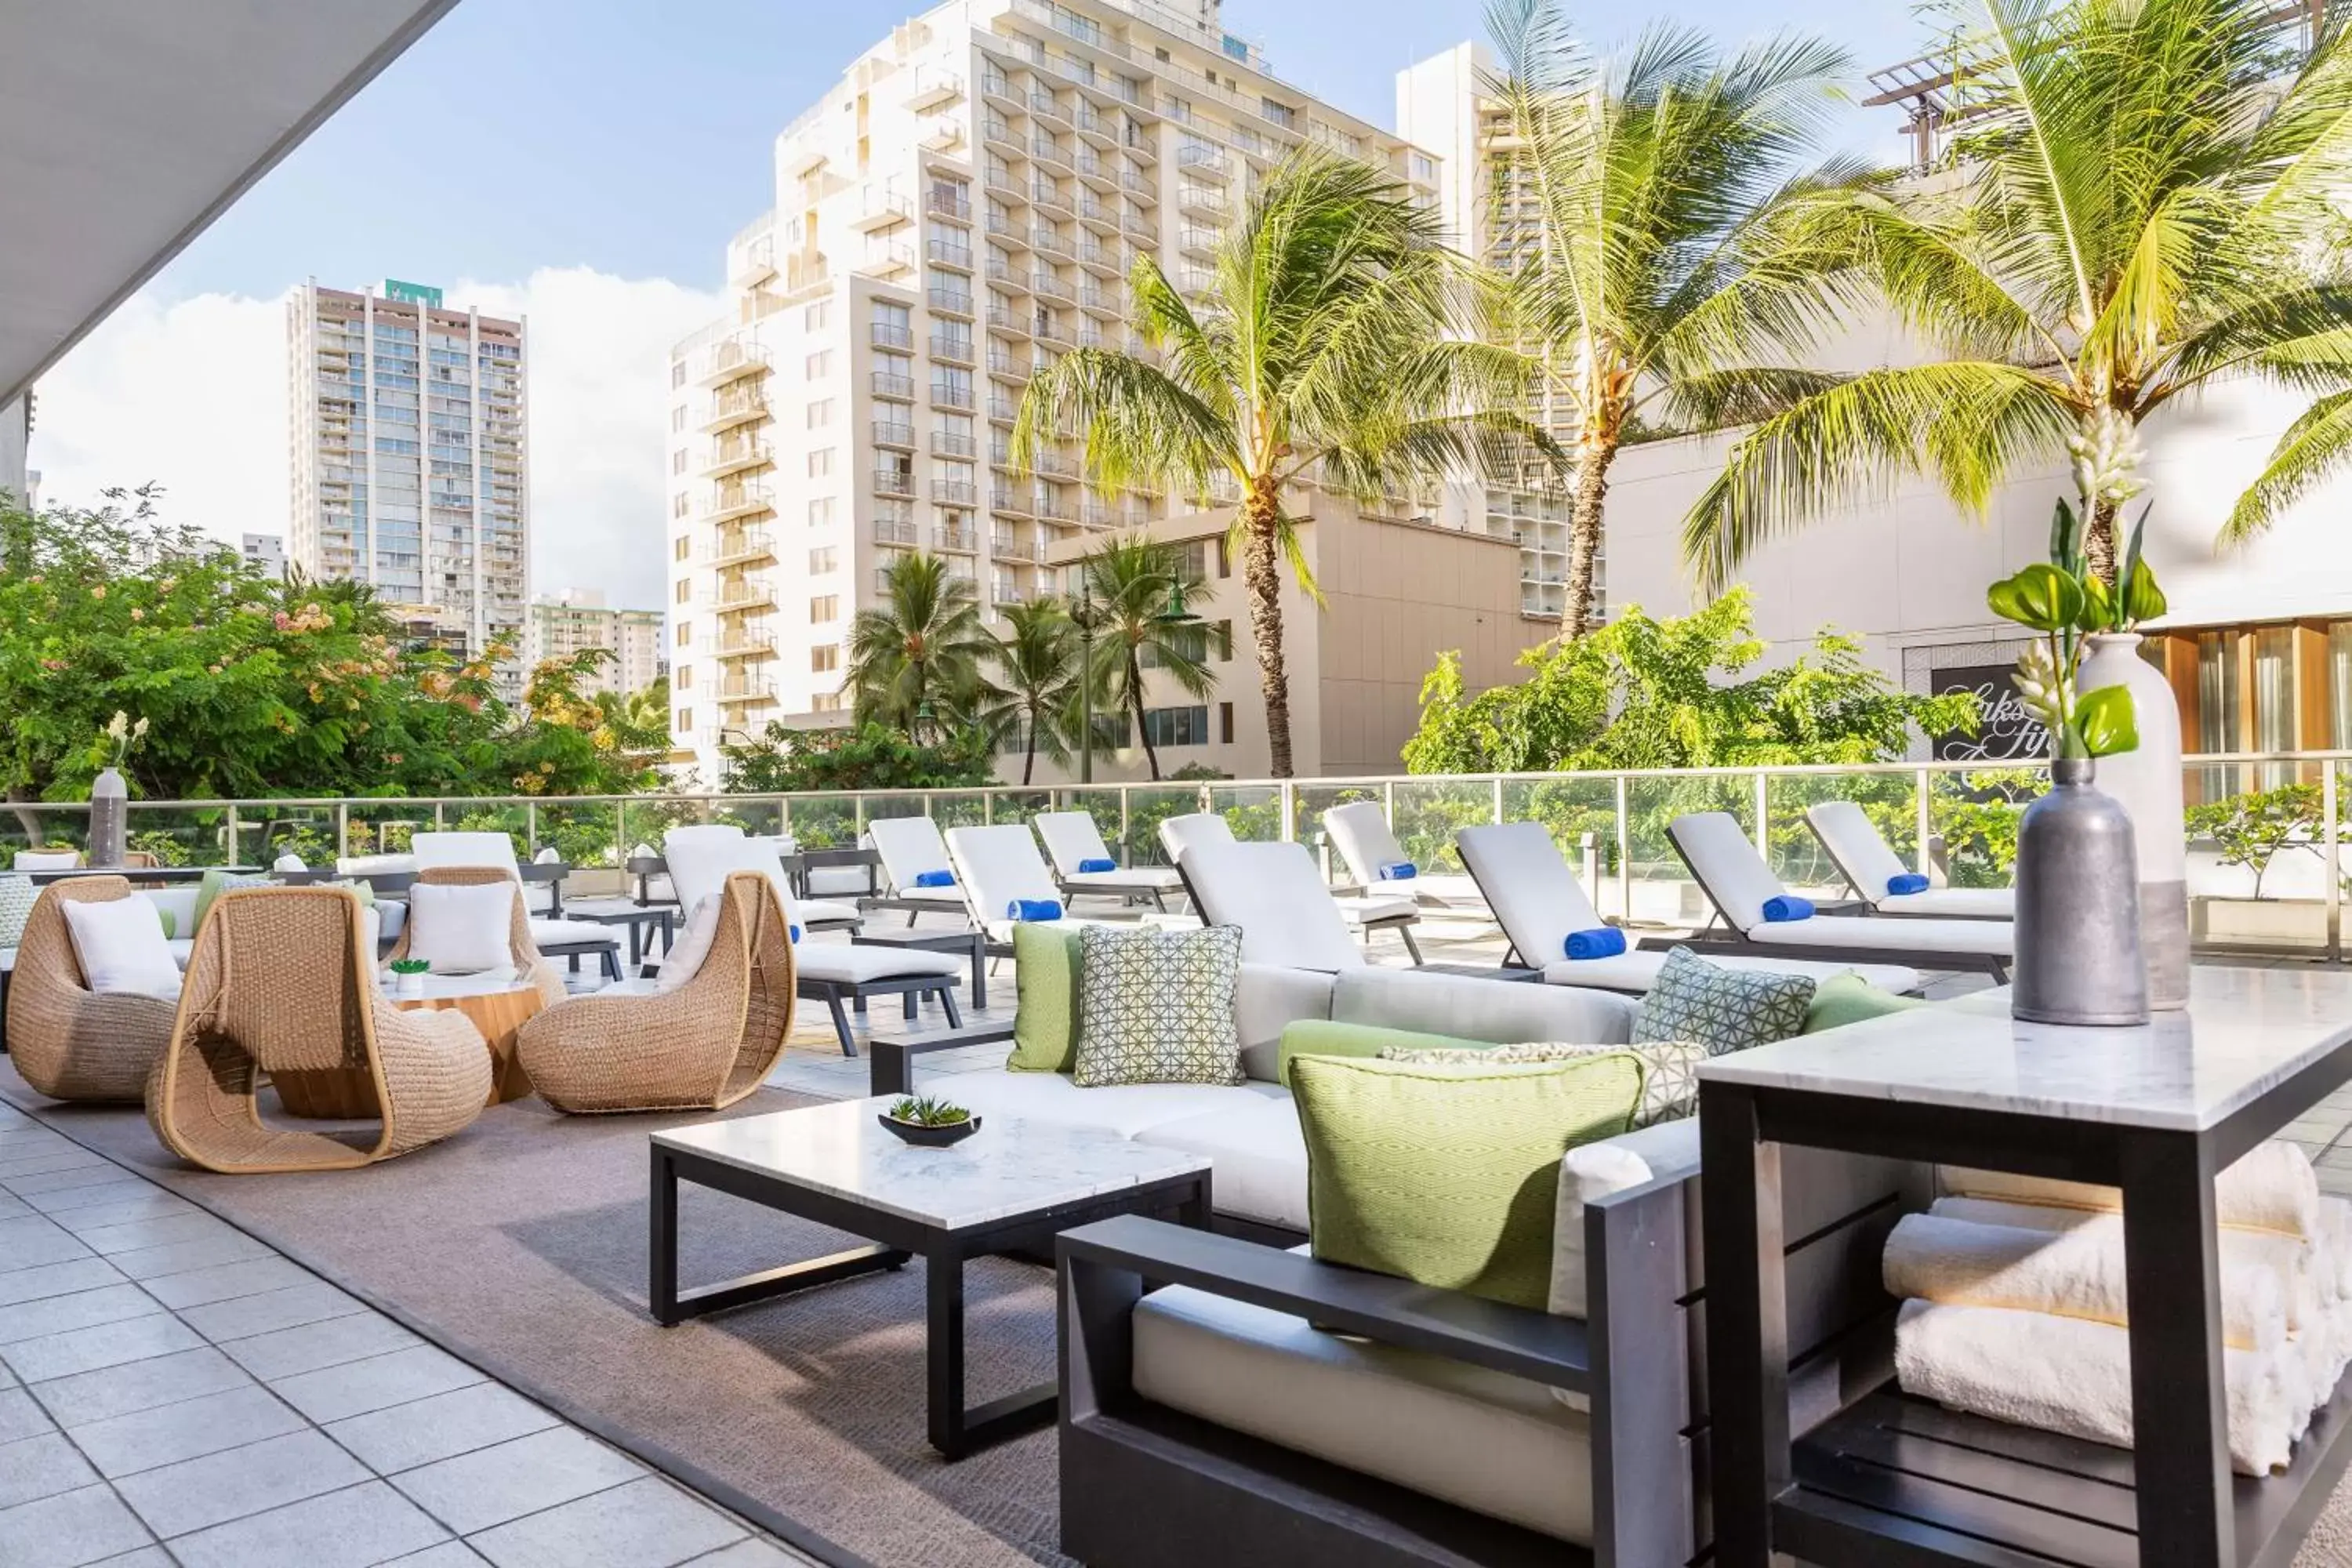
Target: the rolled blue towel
pixel 1786 908
pixel 1033 909
pixel 935 878
pixel 794 931
pixel 1399 871
pixel 1098 863
pixel 1602 942
pixel 1905 882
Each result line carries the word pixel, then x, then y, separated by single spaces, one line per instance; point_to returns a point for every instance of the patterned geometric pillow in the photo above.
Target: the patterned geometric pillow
pixel 1669 1068
pixel 1157 1006
pixel 1725 1010
pixel 17 895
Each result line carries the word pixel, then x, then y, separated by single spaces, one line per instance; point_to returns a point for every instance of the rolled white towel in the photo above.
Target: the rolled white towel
pixel 2273 1187
pixel 2076 1273
pixel 2064 1374
pixel 2297 1261
pixel 2334 1243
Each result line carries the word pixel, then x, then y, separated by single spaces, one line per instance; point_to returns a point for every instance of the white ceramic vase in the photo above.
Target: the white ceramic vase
pixel 109 802
pixel 2147 781
pixel 408 988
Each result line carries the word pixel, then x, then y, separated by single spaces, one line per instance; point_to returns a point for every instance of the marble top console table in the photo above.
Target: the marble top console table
pixel 2155 1110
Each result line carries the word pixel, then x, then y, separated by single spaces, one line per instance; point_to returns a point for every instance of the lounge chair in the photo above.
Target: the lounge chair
pixel 551 935
pixel 809 915
pixel 911 847
pixel 1739 884
pixel 1075 843
pixel 1363 912
pixel 995 868
pixel 701 1046
pixel 1863 860
pixel 1287 913
pixel 1368 846
pixel 283 981
pixel 1178 834
pixel 67 1040
pixel 1536 897
pixel 700 865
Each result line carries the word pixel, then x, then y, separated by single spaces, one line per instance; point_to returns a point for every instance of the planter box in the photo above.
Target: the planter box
pixel 2293 923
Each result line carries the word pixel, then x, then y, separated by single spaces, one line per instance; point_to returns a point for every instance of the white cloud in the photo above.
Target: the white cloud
pixel 192 394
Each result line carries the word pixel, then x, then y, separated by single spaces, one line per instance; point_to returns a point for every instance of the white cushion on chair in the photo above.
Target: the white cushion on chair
pixel 1360 832
pixel 1071 837
pixel 1992 938
pixel 1165 879
pixel 1855 845
pixel 46 860
pixel 436 850
pixel 1274 894
pixel 463 928
pixel 1527 883
pixel 846 965
pixel 910 845
pixel 1727 865
pixel 566 934
pixel 375 865
pixel 1359 912
pixel 998 865
pixel 1178 834
pixel 1954 903
pixel 684 960
pixel 823 911
pixel 122 948
pixel 700 857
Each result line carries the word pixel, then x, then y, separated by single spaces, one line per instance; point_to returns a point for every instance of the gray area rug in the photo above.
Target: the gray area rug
pixel 520 1244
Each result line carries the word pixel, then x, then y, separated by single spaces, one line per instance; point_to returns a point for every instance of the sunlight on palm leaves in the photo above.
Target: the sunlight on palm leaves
pixel 1035 696
pixel 1132 583
pixel 923 650
pixel 2147 209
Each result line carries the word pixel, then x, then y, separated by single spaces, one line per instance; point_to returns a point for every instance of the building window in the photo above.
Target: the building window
pixel 685 591
pixel 678 505
pixel 825 702
pixel 824 607
pixel 677 462
pixel 1176 726
pixel 813 318
pixel 820 414
pixel 685 677
pixel 678 417
pixel 820 463
pixel 820 510
pixel 1225 723
pixel 823 560
pixel 678 372
pixel 819 365
pixel 680 547
pixel 684 719
pixel 685 634
pixel 824 659
pixel 1225 644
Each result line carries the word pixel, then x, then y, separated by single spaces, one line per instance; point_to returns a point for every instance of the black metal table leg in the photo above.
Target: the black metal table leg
pixel 2180 1414
pixel 661 1288
pixel 957 1429
pixel 1747 1325
pixel 978 970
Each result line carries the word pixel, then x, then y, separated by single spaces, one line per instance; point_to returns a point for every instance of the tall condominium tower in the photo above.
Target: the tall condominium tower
pixel 961 208
pixel 573 620
pixel 410 462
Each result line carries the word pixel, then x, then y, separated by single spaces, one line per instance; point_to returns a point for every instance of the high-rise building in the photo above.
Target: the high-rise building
pixel 266 552
pixel 572 619
pixel 962 207
pixel 410 459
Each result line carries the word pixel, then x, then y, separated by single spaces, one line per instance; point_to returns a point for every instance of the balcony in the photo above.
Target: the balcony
pixel 997 135
pixel 1201 201
pixel 1046 285
pixel 1046 194
pixel 955 492
pixel 1199 242
pixel 740 547
pixel 1196 282
pixel 1051 329
pixel 1009 503
pixel 957 536
pixel 734 456
pixel 1208 163
pixel 1139 145
pixel 1139 187
pixel 890 335
pixel 725 362
pixel 889 531
pixel 953 444
pixel 892 433
pixel 1013 323
pixel 1046 151
pixel 888 260
pixel 1006 231
pixel 953 348
pixel 946 252
pixel 1140 228
pixel 941 202
pixel 1092 338
pixel 899 387
pixel 1099 216
pixel 883 209
pixel 1100 258
pixel 1093 514
pixel 1099 301
pixel 753 263
pixel 1057 509
pixel 1094 126
pixel 739 405
pixel 734 689
pixel 932 88
pixel 1002 183
pixel 997 88
pixel 754 639
pixel 951 302
pixel 944 134
pixel 1043 105
pixel 734 597
pixel 952 395
pixel 894 482
pixel 1002 410
pixel 1004 275
pixel 738 501
pixel 1049 240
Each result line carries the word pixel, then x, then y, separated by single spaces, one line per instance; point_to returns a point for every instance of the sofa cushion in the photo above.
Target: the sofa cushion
pixel 1846 999
pixel 1475 1009
pixel 1483 1440
pixel 462 928
pixel 1268 999
pixel 1157 1006
pixel 1669 1068
pixel 122 948
pixel 1260 1158
pixel 1447 1175
pixel 215 883
pixel 1045 977
pixel 1725 1010
pixel 572 934
pixel 1124 1109
pixel 1324 1037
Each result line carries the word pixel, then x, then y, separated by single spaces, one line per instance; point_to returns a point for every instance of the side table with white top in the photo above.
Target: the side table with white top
pixel 1012 1185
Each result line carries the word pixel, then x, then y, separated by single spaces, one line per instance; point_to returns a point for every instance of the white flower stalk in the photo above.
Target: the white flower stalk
pixel 2106 459
pixel 2041 687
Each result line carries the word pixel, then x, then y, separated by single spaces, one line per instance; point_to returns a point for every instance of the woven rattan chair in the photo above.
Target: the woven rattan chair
pixel 67 1040
pixel 531 967
pixel 282 980
pixel 702 1047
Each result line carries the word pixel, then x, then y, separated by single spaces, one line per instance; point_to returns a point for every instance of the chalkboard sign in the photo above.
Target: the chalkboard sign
pixel 2006 731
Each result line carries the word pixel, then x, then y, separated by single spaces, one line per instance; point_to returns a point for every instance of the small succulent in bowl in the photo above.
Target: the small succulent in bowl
pixel 934 1123
pixel 410 966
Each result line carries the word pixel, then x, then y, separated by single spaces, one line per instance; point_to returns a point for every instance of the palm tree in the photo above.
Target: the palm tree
pixel 1659 182
pixel 917 662
pixel 1134 587
pixel 1037 667
pixel 2148 208
pixel 1336 345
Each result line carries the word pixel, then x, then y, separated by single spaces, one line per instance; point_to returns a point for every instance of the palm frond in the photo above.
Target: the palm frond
pixel 2314 449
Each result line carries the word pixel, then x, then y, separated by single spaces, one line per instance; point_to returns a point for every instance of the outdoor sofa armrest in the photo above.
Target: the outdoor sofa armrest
pixel 893 1056
pixel 1552 1351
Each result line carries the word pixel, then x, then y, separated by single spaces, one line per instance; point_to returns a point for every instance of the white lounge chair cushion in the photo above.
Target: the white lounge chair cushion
pixel 946 897
pixel 436 850
pixel 910 845
pixel 1071 837
pixel 122 948
pixel 1178 834
pixel 1163 879
pixel 684 960
pixel 1726 866
pixel 1535 898
pixel 1635 971
pixel 1360 833
pixel 1364 911
pixel 571 934
pixel 998 865
pixel 46 860
pixel 1274 894
pixel 700 857
pixel 1862 855
pixel 462 928
pixel 1954 903
pixel 825 911
pixel 375 865
pixel 1126 1108
pixel 848 965
pixel 1992 938
pixel 1497 1444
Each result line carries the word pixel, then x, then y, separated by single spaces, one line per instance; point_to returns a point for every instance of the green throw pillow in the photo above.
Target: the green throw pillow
pixel 1326 1038
pixel 1045 980
pixel 213 885
pixel 170 925
pixel 1448 1176
pixel 1725 1010
pixel 1157 1006
pixel 363 891
pixel 1669 1069
pixel 17 897
pixel 1844 999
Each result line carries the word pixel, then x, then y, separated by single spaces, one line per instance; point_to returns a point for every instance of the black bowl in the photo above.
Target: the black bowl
pixel 931 1137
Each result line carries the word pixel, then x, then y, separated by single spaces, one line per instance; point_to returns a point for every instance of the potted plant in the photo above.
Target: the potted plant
pixel 933 1123
pixel 408 978
pixel 109 793
pixel 2252 830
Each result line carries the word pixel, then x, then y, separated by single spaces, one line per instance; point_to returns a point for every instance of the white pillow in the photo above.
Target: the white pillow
pixel 461 929
pixel 692 946
pixel 121 946
pixel 288 862
pixel 550 855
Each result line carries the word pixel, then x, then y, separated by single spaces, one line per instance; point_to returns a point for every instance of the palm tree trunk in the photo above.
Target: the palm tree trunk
pixel 2099 542
pixel 1135 706
pixel 1029 762
pixel 1261 574
pixel 1584 520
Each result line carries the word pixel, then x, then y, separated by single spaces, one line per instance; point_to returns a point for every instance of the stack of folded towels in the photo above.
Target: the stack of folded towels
pixel 2013 1302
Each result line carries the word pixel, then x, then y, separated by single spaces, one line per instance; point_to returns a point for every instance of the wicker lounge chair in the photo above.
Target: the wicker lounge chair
pixel 529 966
pixel 701 1047
pixel 282 982
pixel 67 1041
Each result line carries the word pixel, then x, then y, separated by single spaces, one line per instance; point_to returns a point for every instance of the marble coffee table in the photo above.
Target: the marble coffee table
pixel 1013 1185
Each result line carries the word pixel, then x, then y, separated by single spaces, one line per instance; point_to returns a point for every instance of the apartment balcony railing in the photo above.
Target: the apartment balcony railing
pixel 746 689
pixel 1100 302
pixel 1140 186
pixel 744 640
pixel 1008 367
pixel 1011 503
pixel 1092 338
pixel 733 500
pixel 724 362
pixel 953 444
pixel 742 595
pixel 890 335
pixel 1138 227
pixel 1050 241
pixel 883 209
pixel 1208 162
pixel 1046 194
pixel 1053 465
pixel 950 302
pixel 740 547
pixel 1045 285
pixel 1093 125
pixel 1004 275
pixel 1001 410
pixel 1046 150
pixel 952 395
pixel 946 252
pixel 1093 514
pixel 892 533
pixel 953 348
pixel 888 260
pixel 894 482
pixel 947 204
pixel 1053 508
pixel 731 408
pixel 955 492
pixel 1201 201
pixel 1099 216
pixel 734 456
pixel 1013 322
pixel 1053 330
pixel 1099 259
pixel 1199 242
pixel 1045 105
pixel 894 433
pixel 997 85
pixel 997 133
pixel 932 87
pixel 900 387
pixel 952 536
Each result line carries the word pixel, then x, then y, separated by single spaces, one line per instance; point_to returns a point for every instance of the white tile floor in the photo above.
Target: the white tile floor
pixel 174 1392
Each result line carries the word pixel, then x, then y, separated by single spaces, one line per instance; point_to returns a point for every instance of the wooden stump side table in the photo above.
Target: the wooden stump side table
pixel 499 1013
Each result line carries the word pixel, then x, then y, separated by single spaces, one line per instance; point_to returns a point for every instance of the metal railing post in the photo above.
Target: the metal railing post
pixel 1498 800
pixel 1289 798
pixel 1624 850
pixel 988 808
pixel 1126 817
pixel 343 830
pixel 2331 836
pixel 621 834
pixel 858 824
pixel 530 825
pixel 1924 822
pixel 229 859
pixel 1387 803
pixel 440 815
